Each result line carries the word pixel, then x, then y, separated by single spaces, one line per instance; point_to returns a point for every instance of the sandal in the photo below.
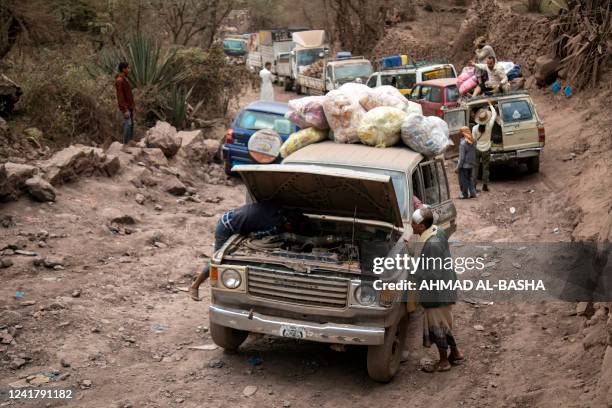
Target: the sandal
pixel 441 368
pixel 456 361
pixel 194 294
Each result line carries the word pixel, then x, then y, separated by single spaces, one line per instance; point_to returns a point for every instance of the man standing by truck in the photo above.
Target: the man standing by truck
pixel 485 119
pixel 267 90
pixel 437 303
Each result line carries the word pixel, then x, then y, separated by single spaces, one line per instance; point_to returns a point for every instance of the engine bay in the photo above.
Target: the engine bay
pixel 334 246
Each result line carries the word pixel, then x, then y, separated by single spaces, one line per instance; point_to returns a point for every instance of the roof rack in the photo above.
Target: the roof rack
pixel 485 97
pixel 415 64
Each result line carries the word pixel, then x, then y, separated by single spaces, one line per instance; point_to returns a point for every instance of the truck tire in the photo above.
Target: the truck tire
pixel 226 337
pixel 533 164
pixel 288 85
pixel 298 89
pixel 384 360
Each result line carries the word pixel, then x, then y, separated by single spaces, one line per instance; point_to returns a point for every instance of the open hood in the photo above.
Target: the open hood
pixel 324 190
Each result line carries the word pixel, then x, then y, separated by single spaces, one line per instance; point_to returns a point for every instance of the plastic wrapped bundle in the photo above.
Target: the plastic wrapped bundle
pixel 343 113
pixel 302 138
pixel 388 95
pixel 355 90
pixel 381 126
pixel 307 112
pixel 427 135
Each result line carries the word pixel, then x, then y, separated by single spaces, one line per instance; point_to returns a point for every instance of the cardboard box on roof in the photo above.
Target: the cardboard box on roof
pixel 309 39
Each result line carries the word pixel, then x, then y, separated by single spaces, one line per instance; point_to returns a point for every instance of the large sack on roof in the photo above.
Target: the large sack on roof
pixel 343 113
pixel 427 135
pixel 381 126
pixel 390 96
pixel 307 112
pixel 301 139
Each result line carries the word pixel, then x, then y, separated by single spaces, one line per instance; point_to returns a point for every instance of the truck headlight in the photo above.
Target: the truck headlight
pixel 231 278
pixel 365 295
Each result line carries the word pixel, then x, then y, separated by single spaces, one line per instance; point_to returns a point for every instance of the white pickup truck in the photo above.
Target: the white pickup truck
pixel 336 73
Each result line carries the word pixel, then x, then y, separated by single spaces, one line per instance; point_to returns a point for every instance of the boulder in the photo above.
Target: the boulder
pixel 152 156
pixel 164 137
pixel 40 189
pixel 545 67
pixel 74 161
pixel 195 148
pixel 111 165
pixel 174 186
pixel 12 179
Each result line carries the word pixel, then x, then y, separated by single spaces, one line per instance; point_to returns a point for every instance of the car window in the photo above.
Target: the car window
pixel 372 81
pixel 425 90
pixel 444 195
pixel 452 94
pixel 435 95
pixel 431 195
pixel 455 119
pixel 415 92
pixel 387 79
pixel 516 111
pixel 406 81
pixel 253 120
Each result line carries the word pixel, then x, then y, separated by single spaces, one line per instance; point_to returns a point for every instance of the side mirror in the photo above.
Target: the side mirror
pixel 321 55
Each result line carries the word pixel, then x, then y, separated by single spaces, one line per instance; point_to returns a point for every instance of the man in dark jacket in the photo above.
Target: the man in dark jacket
pixel 260 219
pixel 437 303
pixel 125 100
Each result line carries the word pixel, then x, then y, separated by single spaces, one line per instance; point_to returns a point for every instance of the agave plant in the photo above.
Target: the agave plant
pixel 149 63
pixel 178 111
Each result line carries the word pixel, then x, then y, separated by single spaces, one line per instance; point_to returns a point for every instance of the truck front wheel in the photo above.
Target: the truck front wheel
pixel 298 89
pixel 226 337
pixel 533 164
pixel 384 360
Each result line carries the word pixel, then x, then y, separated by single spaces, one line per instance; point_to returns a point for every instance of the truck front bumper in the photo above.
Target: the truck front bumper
pixel 517 154
pixel 321 332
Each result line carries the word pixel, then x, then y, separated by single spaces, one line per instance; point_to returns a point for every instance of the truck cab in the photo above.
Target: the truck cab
pixel 518 135
pixel 319 286
pixel 337 72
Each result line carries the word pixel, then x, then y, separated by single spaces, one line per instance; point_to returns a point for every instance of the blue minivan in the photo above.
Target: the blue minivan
pixel 256 116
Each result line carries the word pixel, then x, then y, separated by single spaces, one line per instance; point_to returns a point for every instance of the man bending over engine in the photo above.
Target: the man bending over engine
pixel 259 219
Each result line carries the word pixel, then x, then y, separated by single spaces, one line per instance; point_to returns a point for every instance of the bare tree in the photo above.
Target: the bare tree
pixel 186 19
pixel 360 23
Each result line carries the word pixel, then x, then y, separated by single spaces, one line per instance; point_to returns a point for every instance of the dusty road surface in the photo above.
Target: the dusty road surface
pixel 111 323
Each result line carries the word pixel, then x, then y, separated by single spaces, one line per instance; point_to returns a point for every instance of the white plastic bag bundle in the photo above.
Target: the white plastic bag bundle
pixel 307 112
pixel 427 135
pixel 381 126
pixel 343 113
pixel 301 139
pixel 355 90
pixel 388 95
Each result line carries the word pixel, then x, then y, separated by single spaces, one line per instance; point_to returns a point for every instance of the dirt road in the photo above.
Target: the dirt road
pixel 113 319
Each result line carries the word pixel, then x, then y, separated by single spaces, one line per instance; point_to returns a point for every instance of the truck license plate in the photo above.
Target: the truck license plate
pixel 294 332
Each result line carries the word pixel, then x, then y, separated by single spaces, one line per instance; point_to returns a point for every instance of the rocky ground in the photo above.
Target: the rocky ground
pixel 90 296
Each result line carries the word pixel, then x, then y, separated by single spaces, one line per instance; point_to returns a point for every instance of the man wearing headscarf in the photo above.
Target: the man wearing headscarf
pixel 467 159
pixel 485 119
pixel 437 304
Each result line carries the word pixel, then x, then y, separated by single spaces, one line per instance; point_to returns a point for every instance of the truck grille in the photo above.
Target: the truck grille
pixel 299 288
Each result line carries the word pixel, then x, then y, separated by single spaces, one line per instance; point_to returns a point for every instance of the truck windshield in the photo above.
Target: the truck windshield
pixel 234 45
pixel 353 70
pixel 307 57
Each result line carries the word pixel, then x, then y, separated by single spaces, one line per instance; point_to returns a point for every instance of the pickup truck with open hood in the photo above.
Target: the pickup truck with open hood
pixel 319 287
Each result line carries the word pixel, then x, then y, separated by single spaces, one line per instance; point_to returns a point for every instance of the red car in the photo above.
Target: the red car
pixel 432 95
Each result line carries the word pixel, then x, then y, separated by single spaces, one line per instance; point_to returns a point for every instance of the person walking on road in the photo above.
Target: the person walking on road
pixel 267 90
pixel 485 119
pixel 437 303
pixel 125 100
pixel 467 159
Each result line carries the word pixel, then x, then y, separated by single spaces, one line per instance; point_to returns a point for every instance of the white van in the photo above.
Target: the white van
pixel 405 77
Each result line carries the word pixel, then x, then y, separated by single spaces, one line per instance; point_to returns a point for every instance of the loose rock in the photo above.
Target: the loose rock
pixel 164 137
pixel 249 390
pixel 40 189
pixel 5 262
